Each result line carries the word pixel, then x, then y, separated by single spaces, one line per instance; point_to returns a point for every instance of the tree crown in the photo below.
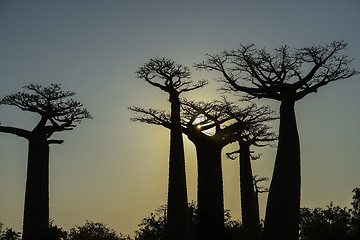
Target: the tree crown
pixel 52 104
pixel 221 121
pixel 298 71
pixel 168 76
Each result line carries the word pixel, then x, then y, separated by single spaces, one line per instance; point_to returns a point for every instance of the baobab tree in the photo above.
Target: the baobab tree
pixel 173 79
pixel 208 148
pixel 58 112
pixel 209 126
pixel 255 133
pixel 204 125
pixel 285 76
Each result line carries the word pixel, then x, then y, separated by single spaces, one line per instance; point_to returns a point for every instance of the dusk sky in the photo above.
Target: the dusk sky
pixel 115 171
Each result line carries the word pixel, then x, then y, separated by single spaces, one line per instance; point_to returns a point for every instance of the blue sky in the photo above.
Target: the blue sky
pixel 112 170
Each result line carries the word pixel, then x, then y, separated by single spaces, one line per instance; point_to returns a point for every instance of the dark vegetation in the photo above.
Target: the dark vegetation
pixel 286 75
pixel 330 223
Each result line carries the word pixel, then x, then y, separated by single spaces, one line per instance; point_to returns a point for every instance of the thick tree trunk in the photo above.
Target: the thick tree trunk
pixel 283 206
pixel 249 210
pixel 36 209
pixel 210 192
pixel 178 221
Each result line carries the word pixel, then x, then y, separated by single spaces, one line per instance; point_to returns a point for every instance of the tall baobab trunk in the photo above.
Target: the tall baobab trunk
pixel 283 206
pixel 249 209
pixel 36 209
pixel 210 191
pixel 178 224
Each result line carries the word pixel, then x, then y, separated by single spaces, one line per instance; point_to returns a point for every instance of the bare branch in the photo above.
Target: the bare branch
pixel 52 104
pixel 15 131
pixel 168 76
pixel 260 189
pixel 264 75
pixel 54 141
pixel 152 116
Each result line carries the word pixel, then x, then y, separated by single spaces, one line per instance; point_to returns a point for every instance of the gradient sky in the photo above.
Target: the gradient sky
pixel 113 170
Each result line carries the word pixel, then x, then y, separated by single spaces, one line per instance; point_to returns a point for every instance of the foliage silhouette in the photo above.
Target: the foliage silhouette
pixel 153 227
pixel 280 76
pixel 9 234
pixel 332 222
pixel 58 112
pixel 173 79
pixel 355 215
pixel 95 231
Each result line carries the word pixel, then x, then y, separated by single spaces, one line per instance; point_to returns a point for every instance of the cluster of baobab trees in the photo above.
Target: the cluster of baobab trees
pixel 286 75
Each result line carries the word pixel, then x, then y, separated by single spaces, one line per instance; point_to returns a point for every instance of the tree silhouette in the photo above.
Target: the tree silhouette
pixel 58 113
pixel 203 123
pixel 208 148
pixel 173 79
pixel 255 133
pixel 9 234
pixel 153 227
pixel 331 223
pixel 280 77
pixel 210 127
pixel 355 214
pixel 95 231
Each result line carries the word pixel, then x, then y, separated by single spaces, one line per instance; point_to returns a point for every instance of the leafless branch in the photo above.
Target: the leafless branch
pixel 168 76
pixel 264 75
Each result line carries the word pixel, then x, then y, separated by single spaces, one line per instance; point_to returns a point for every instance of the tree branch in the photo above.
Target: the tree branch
pixel 274 75
pixel 15 131
pixel 55 141
pixel 152 116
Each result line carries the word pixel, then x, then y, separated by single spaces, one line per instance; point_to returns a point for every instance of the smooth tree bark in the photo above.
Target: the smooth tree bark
pixel 36 211
pixel 286 179
pixel 173 79
pixel 250 216
pixel 58 113
pixel 210 190
pixel 177 215
pixel 281 77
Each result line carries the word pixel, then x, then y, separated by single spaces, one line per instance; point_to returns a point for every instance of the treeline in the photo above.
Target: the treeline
pixel 286 76
pixel 330 223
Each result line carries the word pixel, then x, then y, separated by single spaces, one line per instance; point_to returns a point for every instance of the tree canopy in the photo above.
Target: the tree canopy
pixel 268 75
pixel 53 105
pixel 168 76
